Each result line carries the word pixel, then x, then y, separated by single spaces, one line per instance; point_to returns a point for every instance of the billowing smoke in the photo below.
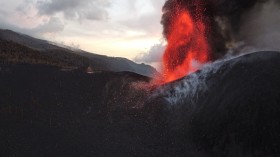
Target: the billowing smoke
pixel 231 25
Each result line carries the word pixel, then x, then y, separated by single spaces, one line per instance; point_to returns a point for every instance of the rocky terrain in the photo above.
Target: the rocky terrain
pixel 228 108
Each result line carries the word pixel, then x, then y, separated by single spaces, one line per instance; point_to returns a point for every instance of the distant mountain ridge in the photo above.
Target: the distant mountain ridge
pixel 78 58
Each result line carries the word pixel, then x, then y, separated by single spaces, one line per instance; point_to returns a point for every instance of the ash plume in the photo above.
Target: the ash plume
pixel 232 25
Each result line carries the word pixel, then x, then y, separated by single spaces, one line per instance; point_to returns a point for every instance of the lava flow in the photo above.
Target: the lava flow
pixel 187 46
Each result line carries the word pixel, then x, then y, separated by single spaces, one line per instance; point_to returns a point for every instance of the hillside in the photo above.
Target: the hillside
pixel 48 112
pixel 228 108
pixel 76 58
pixel 14 53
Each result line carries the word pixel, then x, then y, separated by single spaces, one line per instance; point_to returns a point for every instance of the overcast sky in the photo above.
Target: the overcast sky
pixel 125 28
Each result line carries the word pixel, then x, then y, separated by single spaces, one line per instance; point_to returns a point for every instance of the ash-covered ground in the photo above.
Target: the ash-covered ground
pixel 228 108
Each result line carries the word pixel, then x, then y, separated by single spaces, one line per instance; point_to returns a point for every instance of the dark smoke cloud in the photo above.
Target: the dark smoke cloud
pixel 226 20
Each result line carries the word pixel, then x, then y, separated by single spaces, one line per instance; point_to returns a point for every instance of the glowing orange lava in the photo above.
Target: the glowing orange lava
pixel 187 46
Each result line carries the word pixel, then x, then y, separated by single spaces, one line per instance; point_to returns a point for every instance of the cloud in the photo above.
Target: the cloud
pixel 53 25
pixel 144 23
pixel 142 16
pixel 75 9
pixel 112 27
pixel 153 55
pixel 3 12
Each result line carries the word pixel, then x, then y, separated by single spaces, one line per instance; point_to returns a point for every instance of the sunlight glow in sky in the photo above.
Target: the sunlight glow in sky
pixel 122 28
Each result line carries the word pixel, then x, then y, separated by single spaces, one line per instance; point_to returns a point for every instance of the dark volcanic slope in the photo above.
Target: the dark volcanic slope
pixel 48 112
pixel 77 58
pixel 229 108
pixel 13 53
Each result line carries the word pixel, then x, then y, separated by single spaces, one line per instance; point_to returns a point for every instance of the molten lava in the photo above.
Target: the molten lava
pixel 187 46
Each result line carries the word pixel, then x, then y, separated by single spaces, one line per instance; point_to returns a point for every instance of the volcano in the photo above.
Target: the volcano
pixel 228 108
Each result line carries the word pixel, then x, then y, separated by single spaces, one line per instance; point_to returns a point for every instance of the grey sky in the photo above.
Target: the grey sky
pixel 123 28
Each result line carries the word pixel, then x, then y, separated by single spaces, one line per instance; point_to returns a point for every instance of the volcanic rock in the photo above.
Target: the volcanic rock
pixel 228 108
